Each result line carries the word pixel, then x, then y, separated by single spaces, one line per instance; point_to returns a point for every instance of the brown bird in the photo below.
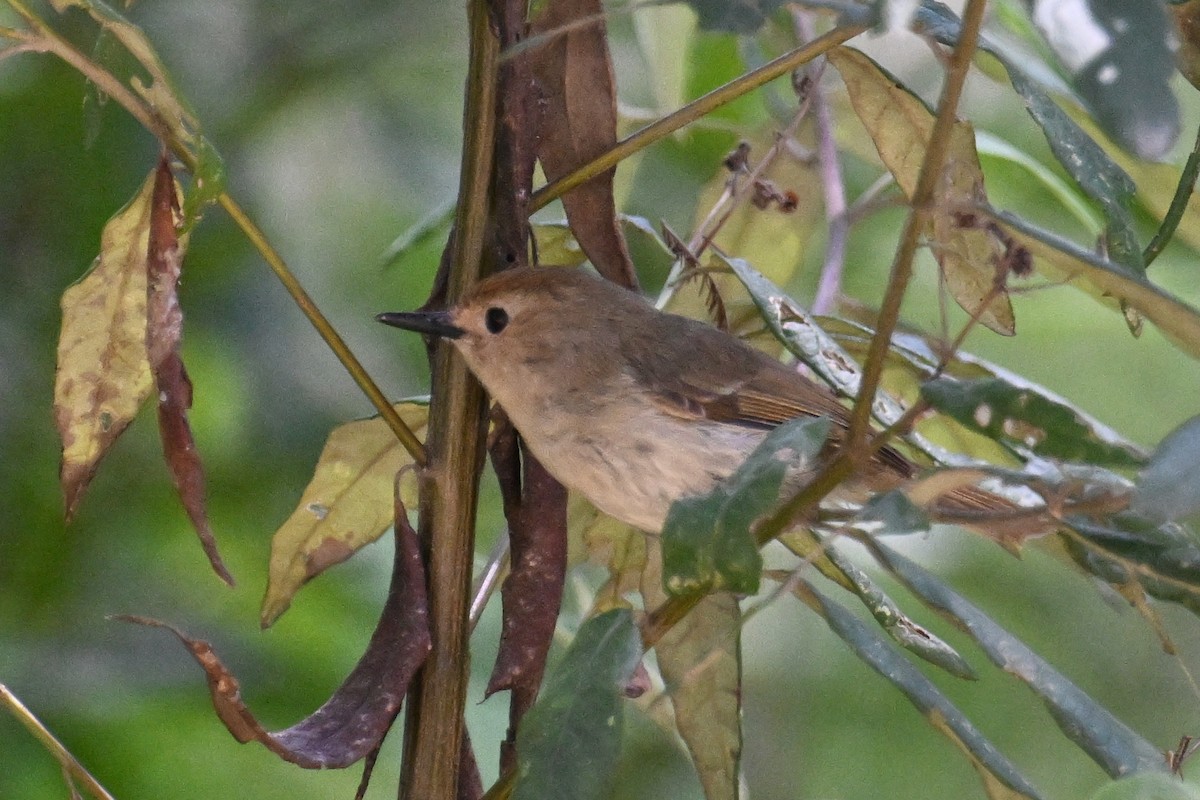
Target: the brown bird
pixel 632 407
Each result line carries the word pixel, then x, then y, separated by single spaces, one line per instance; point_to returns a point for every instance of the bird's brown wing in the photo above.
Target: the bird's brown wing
pixel 765 397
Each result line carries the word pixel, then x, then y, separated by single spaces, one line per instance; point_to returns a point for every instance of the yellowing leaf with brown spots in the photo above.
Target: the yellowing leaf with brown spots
pixel 900 125
pixel 347 505
pixel 701 663
pixel 103 373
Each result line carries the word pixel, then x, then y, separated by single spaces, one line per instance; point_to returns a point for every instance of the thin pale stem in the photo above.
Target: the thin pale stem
pixel 71 766
pixel 829 168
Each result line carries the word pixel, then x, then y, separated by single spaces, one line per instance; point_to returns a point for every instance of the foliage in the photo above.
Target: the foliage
pixel 1008 459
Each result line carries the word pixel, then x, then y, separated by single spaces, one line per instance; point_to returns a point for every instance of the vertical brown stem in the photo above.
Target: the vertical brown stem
pixel 434 724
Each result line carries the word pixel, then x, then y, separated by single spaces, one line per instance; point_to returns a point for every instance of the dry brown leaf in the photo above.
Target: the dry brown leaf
pixel 164 332
pixel 971 256
pixel 355 719
pixel 346 505
pixel 579 122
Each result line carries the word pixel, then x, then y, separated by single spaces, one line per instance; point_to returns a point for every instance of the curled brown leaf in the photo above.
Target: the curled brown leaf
pixel 164 332
pixel 359 714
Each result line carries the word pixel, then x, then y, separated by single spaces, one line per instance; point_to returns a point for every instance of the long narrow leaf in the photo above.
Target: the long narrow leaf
pixel 1000 776
pixel 1109 742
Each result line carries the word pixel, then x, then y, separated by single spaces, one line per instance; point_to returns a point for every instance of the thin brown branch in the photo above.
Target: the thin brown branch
pixel 692 112
pixel 918 217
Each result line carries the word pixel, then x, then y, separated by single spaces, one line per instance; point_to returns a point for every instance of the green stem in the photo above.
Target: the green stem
pixel 46 39
pixel 70 764
pixel 692 112
pixel 1179 203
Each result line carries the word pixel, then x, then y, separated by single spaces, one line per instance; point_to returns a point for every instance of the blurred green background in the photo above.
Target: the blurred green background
pixel 340 127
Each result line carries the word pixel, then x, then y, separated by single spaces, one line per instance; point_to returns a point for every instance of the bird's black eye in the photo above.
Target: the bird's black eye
pixel 495 319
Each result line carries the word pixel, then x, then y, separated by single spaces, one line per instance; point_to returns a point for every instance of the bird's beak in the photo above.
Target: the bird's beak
pixel 430 323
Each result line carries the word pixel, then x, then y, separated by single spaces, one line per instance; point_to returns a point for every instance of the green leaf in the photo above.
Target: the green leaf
pixel 1025 419
pixel 1148 786
pixel 867 643
pixel 1108 741
pixel 809 342
pixel 1169 487
pixel 903 630
pixel 1164 559
pixel 707 541
pixel 1111 282
pixel 733 16
pixel 891 513
pixel 435 225
pixel 992 146
pixel 1121 59
pixel 569 741
pixel 208 182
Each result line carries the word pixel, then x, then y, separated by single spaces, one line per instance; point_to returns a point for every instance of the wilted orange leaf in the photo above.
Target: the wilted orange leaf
pixel 900 126
pixel 346 506
pixel 103 373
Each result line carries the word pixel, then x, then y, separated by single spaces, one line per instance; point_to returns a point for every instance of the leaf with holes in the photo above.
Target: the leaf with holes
pixel 1025 419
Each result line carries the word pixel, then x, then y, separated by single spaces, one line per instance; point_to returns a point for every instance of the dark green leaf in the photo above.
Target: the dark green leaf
pixel 1025 419
pixel 208 182
pixel 1148 786
pixel 435 225
pixel 733 16
pixel 1108 741
pixel 1169 487
pixel 1120 58
pixel 1089 165
pixel 707 542
pixel 892 512
pixel 1166 556
pixel 569 741
pixel 871 647
pixel 906 633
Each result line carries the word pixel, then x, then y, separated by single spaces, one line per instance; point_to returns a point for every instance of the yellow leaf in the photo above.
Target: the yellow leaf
pixel 619 547
pixel 900 126
pixel 103 372
pixel 701 663
pixel 347 505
